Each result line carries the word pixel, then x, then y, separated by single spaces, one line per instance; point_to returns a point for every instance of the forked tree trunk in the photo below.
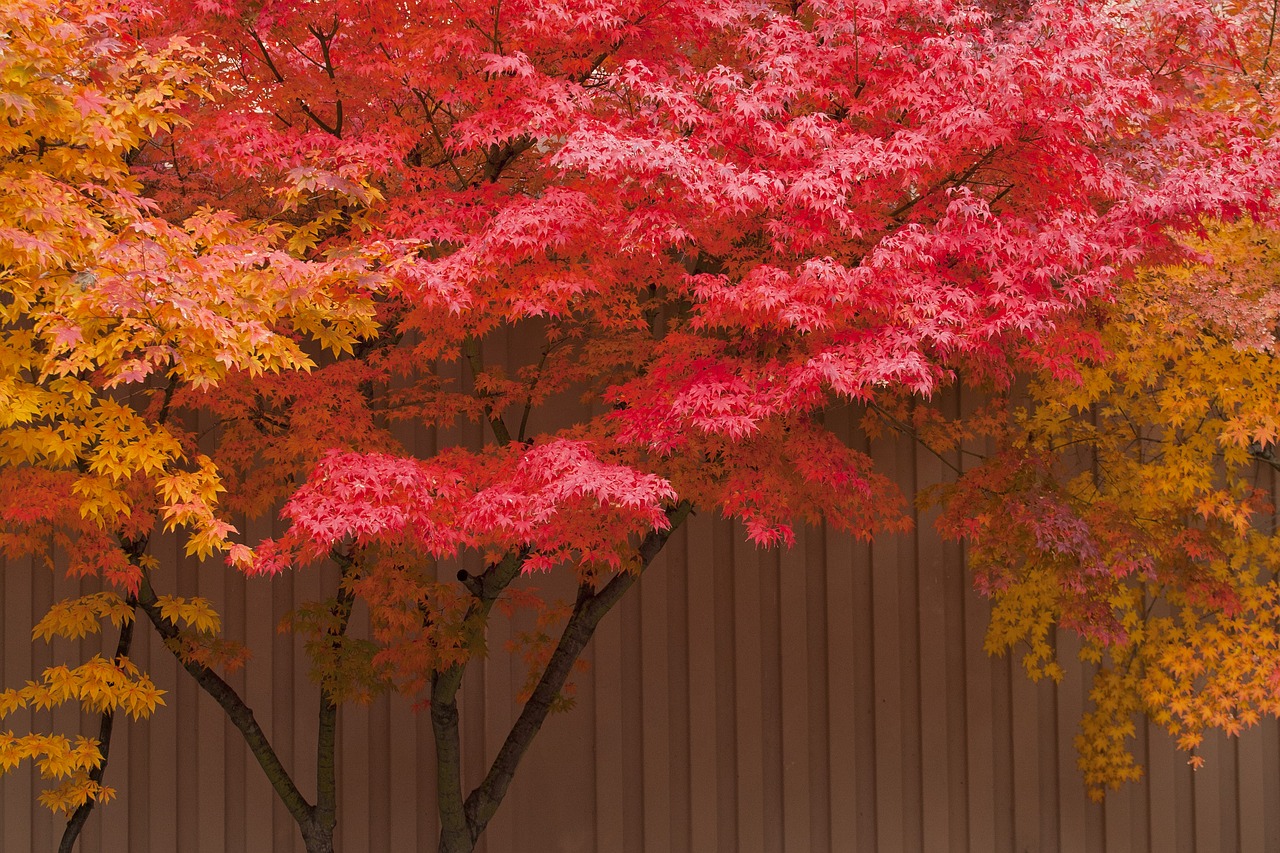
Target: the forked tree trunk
pixel 316 823
pixel 317 839
pixel 462 823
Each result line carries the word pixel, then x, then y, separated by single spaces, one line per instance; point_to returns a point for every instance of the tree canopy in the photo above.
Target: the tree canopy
pixel 242 243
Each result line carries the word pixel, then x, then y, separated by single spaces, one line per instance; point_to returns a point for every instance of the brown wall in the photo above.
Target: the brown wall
pixel 834 697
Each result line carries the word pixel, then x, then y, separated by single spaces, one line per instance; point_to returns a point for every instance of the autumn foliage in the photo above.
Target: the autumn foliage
pixel 1134 507
pixel 243 243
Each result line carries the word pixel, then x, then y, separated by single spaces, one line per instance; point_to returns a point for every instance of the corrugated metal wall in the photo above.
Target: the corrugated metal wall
pixel 834 697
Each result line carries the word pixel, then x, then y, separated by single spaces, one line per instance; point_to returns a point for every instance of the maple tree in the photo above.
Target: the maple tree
pixel 1132 507
pixel 1130 503
pixel 715 220
pixel 99 293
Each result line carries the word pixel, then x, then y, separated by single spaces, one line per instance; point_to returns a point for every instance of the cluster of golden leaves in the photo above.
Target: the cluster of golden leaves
pixel 98 686
pixel 107 309
pixel 1135 507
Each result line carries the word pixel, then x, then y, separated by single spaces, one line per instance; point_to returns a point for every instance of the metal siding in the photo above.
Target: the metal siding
pixel 830 698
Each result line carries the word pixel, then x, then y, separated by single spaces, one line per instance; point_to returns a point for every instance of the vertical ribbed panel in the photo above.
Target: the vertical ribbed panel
pixel 833 698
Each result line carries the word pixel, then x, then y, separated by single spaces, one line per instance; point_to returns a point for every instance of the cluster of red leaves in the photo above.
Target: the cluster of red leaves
pixel 557 500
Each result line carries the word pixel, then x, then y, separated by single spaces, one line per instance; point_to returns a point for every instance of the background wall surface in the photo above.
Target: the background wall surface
pixel 834 697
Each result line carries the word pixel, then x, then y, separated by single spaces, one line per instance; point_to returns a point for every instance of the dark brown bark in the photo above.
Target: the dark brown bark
pixel 455 834
pixel 326 809
pixel 317 837
pixel 75 824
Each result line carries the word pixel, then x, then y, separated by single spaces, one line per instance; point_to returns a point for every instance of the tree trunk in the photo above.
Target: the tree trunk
pixel 317 839
pixel 454 843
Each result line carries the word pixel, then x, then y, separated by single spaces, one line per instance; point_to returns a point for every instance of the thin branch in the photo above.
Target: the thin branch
pixel 77 820
pixel 266 56
pixel 1271 38
pixel 298 50
pixel 334 129
pixel 471 349
pixel 950 180
pixel 915 436
pixel 528 400
pixel 547 350
pixel 239 713
pixel 430 109
pixel 326 39
pixel 470 21
pixel 496 39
